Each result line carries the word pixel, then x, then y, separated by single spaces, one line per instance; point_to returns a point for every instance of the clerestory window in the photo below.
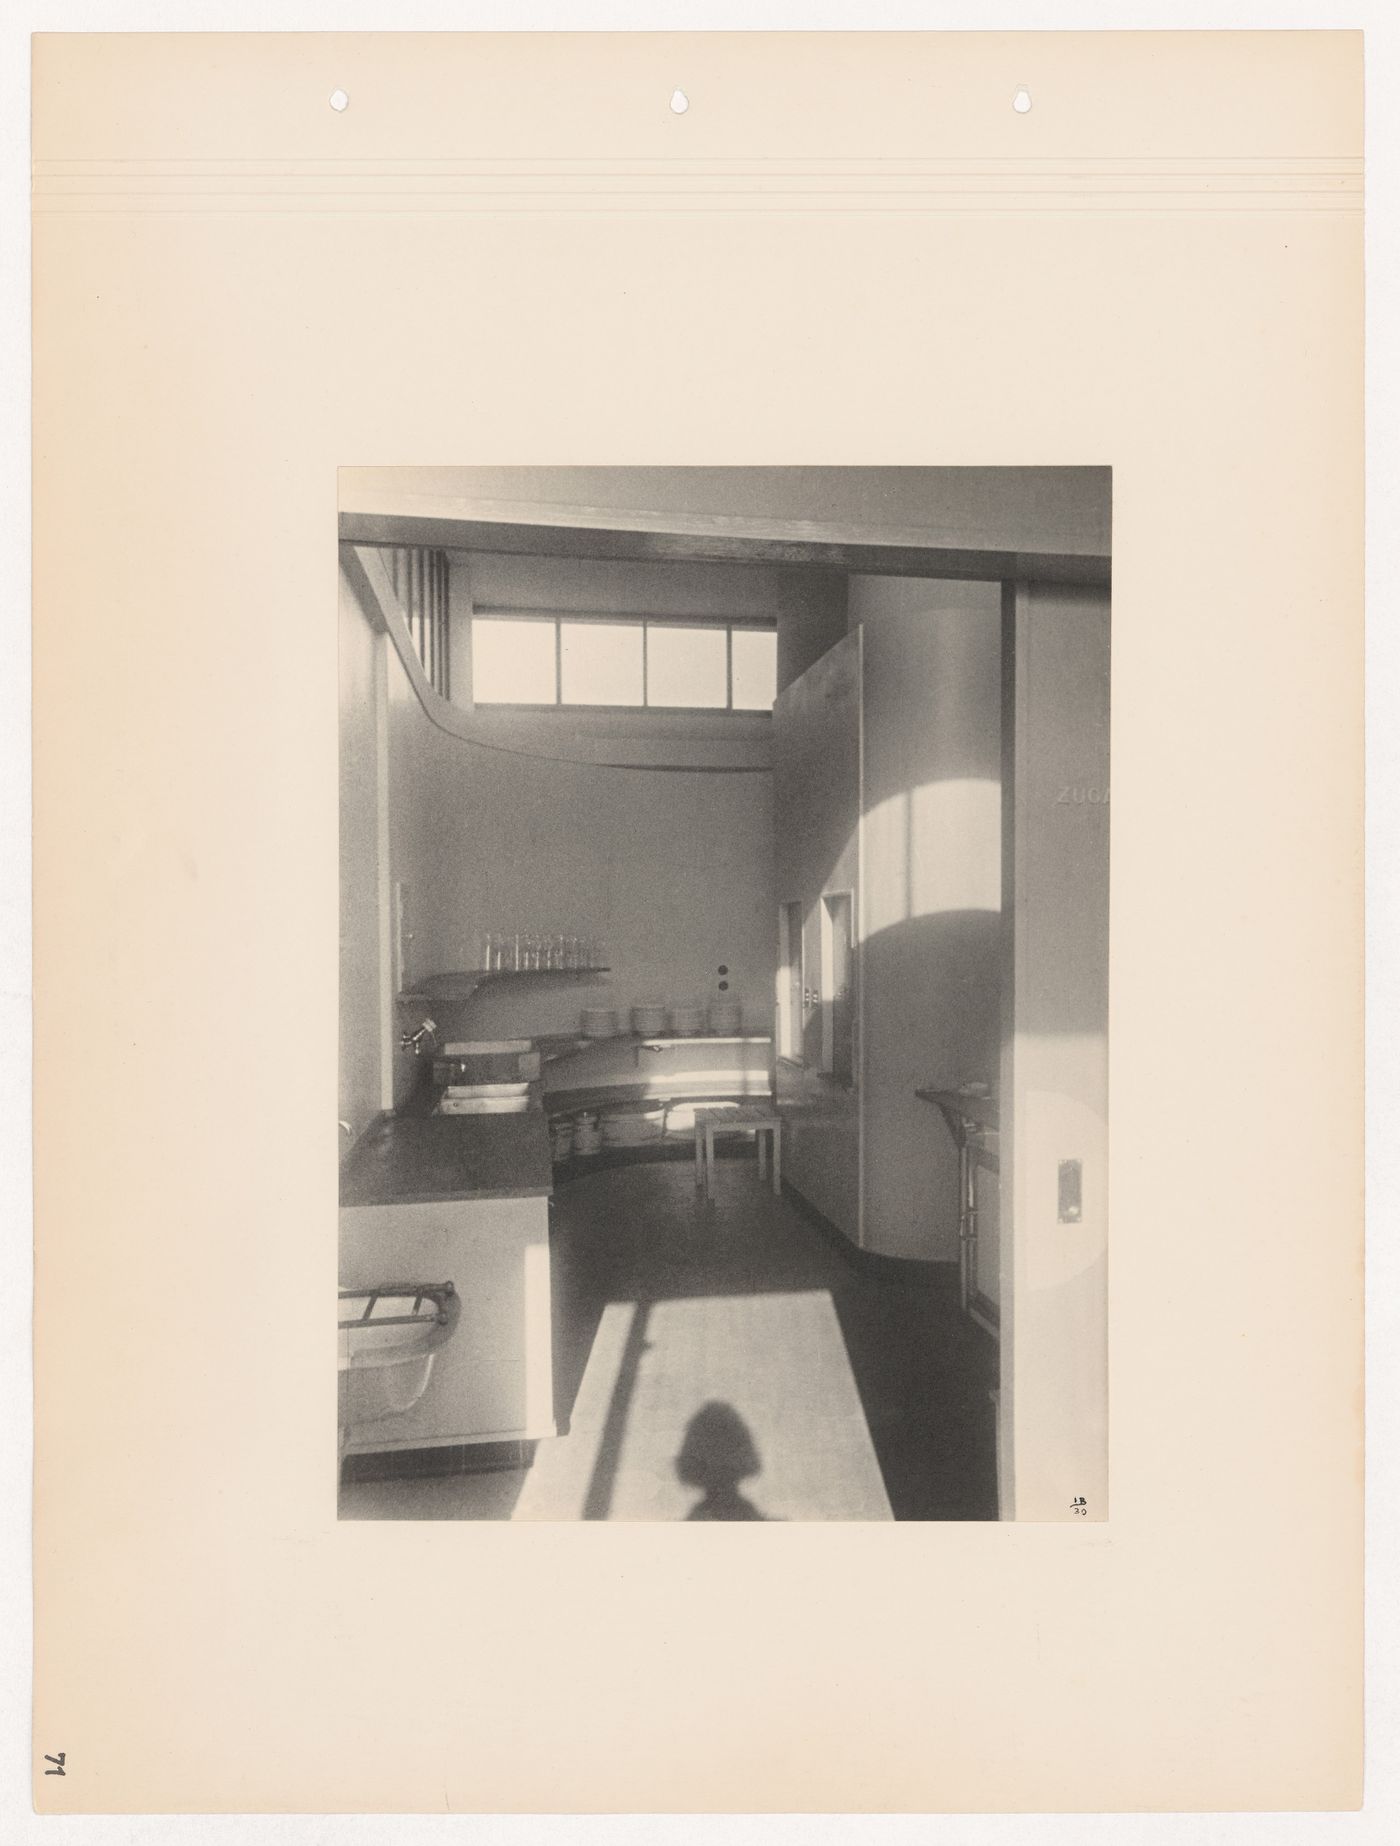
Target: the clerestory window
pixel 670 665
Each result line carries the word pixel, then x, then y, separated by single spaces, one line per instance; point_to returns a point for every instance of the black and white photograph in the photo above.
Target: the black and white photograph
pixel 723 993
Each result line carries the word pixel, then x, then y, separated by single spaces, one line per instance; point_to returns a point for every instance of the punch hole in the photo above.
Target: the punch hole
pixel 339 101
pixel 1021 102
pixel 680 102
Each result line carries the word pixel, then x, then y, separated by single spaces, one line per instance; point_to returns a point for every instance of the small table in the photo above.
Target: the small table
pixel 974 1122
pixel 749 1119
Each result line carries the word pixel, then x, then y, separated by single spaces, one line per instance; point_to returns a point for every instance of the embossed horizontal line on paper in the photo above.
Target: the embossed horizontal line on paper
pixel 1327 183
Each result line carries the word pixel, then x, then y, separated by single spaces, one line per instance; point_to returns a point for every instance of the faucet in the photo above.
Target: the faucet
pixel 413 1041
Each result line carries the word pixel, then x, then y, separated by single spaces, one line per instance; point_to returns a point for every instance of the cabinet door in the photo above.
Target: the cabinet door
pixel 492 1380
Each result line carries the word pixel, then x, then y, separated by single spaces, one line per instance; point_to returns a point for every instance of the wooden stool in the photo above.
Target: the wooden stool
pixel 748 1119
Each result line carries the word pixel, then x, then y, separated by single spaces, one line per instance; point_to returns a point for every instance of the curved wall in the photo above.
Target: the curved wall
pixel 931 929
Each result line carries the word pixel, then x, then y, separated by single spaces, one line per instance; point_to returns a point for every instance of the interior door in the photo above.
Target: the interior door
pixel 1054 1079
pixel 816 788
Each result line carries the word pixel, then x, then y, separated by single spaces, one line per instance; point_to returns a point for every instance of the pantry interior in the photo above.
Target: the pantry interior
pixel 781 789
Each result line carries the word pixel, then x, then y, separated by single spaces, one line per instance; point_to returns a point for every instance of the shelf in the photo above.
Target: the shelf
pixel 477 975
pixel 701 1038
pixel 665 1038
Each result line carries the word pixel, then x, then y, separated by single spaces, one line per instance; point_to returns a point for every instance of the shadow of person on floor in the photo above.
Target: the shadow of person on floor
pixel 718 1452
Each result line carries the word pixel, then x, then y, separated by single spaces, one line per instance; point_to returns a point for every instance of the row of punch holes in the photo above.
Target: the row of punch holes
pixel 680 102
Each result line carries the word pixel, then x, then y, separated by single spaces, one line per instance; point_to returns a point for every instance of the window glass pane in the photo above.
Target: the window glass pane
pixel 685 666
pixel 601 663
pixel 755 669
pixel 512 662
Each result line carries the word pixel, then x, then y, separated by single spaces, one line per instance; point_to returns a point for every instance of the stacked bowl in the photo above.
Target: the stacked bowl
pixel 687 1021
pixel 633 1127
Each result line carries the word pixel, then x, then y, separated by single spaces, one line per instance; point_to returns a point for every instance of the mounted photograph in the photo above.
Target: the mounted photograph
pixel 724 951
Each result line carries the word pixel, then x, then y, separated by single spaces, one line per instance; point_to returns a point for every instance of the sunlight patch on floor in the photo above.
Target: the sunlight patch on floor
pixel 776 1363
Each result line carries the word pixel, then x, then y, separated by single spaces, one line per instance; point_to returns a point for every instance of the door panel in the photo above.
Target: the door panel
pixel 1054 1086
pixel 816 782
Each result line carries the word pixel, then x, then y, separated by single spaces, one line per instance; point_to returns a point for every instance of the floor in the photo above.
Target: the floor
pixel 728 1361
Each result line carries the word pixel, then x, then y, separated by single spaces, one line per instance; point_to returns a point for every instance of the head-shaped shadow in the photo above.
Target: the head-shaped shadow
pixel 718 1453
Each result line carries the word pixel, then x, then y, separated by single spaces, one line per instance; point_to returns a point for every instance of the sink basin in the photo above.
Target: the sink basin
pixel 486 1105
pixel 486 1047
pixel 463 1092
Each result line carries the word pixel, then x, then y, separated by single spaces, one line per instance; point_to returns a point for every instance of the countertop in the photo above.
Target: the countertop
pixel 982 1110
pixel 417 1158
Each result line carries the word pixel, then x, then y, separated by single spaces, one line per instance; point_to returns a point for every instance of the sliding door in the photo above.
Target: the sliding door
pixel 1054 1082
